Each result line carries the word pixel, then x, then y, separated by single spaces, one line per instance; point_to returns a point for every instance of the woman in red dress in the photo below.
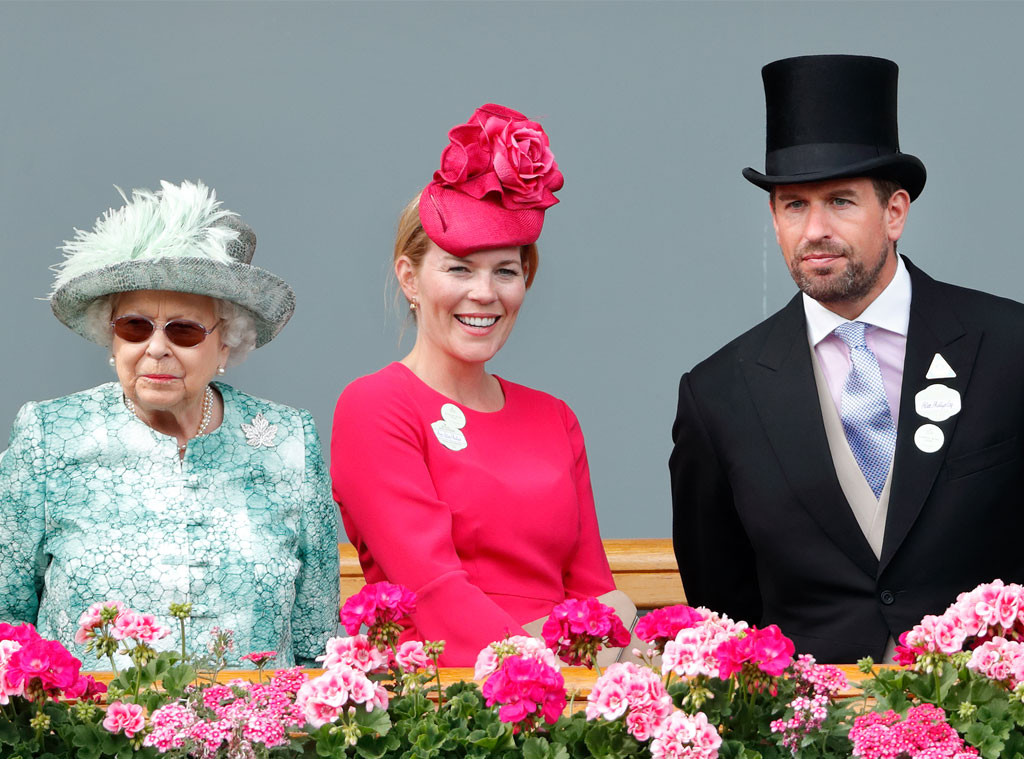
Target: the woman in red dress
pixel 471 490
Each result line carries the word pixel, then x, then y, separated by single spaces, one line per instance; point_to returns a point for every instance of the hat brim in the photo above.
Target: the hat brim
pixel 269 299
pixel 903 168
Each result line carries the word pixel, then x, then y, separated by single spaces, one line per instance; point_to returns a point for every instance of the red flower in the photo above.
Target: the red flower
pixel 85 688
pixel 23 633
pixel 41 665
pixel 376 604
pixel 527 689
pixel 768 650
pixel 502 153
pixel 577 629
pixel 662 625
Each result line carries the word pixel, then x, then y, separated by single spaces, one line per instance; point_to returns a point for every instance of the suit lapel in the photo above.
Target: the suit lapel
pixel 933 329
pixel 781 383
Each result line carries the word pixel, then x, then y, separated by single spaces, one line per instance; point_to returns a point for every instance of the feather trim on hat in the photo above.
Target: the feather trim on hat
pixel 174 222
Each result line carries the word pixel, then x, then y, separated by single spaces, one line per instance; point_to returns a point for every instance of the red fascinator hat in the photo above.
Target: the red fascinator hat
pixel 497 177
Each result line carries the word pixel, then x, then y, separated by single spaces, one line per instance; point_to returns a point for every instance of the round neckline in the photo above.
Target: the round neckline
pixel 501 382
pixel 160 437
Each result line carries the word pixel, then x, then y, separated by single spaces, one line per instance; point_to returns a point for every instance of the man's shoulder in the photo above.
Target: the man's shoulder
pixel 973 309
pixel 970 302
pixel 749 345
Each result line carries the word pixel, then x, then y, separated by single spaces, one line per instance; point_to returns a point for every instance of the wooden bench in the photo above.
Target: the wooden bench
pixel 644 569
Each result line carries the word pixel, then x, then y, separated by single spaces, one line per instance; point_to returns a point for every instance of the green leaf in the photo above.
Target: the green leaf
pixel 535 748
pixel 177 678
pixel 376 746
pixel 8 733
pixel 376 721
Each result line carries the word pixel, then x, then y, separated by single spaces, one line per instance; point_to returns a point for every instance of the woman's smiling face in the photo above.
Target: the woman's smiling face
pixel 465 306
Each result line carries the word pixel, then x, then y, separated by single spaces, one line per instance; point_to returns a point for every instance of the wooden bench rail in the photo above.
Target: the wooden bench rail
pixel 644 568
pixel 576 678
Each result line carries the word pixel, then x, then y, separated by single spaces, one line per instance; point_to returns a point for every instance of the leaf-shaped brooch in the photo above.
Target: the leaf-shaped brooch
pixel 261 433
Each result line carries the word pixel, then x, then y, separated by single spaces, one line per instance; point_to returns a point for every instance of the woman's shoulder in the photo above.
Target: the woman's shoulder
pixel 527 398
pixel 94 400
pixel 386 389
pixel 249 405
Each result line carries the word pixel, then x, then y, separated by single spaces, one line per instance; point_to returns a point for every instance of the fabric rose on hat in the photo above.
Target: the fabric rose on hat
pixel 502 153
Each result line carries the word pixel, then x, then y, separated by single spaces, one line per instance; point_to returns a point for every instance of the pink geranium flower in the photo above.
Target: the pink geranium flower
pixel 40 666
pixel 380 606
pixel 95 616
pixel 527 690
pixel 124 718
pixel 140 627
pixel 634 691
pixel 356 651
pixel 662 625
pixel 23 633
pixel 260 659
pixel 682 736
pixel 693 650
pixel 577 629
pixel 767 650
pixel 923 734
pixel 244 718
pixel 85 688
pixel 492 655
pixel 325 698
pixel 411 656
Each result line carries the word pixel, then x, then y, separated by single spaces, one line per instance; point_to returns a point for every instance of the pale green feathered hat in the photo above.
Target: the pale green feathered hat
pixel 177 238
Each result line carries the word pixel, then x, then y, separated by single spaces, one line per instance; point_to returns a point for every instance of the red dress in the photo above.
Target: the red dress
pixel 489 537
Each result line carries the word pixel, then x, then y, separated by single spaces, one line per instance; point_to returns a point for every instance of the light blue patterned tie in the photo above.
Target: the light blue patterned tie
pixel 867 420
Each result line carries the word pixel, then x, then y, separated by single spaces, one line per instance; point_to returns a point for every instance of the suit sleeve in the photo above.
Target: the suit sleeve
pixel 392 510
pixel 588 573
pixel 716 561
pixel 315 615
pixel 23 561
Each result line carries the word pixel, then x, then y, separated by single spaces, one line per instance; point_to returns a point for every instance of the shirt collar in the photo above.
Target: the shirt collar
pixel 889 311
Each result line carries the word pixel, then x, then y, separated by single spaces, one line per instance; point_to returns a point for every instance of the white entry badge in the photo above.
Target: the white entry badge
pixel 937 402
pixel 448 436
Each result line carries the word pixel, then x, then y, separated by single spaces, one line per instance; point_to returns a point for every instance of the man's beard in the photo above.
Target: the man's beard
pixel 852 284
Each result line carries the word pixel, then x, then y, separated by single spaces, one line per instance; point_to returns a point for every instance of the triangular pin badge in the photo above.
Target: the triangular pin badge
pixel 940 369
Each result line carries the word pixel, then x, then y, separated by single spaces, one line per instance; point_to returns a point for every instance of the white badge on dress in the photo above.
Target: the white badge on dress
pixel 928 438
pixel 448 428
pixel 940 369
pixel 937 402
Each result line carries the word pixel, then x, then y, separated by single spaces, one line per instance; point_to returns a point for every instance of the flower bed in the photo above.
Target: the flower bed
pixel 722 689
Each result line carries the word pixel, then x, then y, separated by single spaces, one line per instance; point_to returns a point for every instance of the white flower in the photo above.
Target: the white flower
pixel 261 433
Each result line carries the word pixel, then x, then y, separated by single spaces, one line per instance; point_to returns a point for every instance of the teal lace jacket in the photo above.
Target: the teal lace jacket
pixel 96 505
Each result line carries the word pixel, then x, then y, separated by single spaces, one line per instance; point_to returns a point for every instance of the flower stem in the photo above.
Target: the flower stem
pixel 181 623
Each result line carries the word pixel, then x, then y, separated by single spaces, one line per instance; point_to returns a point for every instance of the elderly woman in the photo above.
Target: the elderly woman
pixel 166 487
pixel 469 489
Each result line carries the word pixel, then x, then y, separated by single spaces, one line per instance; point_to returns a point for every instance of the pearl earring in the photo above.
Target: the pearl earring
pixel 111 361
pixel 220 370
pixel 412 305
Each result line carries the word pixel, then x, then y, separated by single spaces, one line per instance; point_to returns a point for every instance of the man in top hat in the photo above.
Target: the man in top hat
pixel 853 462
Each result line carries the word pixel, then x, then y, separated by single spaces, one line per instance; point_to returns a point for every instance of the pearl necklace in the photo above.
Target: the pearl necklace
pixel 203 423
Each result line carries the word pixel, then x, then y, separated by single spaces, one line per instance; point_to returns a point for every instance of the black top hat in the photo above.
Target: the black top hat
pixel 832 116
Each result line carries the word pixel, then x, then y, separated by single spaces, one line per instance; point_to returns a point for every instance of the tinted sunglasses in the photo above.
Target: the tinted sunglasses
pixel 181 332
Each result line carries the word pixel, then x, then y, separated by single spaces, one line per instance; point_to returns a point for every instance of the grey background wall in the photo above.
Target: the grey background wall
pixel 317 121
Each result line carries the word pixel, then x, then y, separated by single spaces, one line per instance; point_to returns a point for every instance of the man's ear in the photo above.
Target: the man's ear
pixel 775 221
pixel 896 212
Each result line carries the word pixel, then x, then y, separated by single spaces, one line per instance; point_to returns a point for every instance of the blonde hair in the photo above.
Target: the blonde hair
pixel 412 242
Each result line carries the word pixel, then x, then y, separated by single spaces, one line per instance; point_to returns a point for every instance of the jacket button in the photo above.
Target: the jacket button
pixel 888 598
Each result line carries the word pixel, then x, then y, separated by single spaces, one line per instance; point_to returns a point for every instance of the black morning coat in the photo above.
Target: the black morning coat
pixel 761 527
